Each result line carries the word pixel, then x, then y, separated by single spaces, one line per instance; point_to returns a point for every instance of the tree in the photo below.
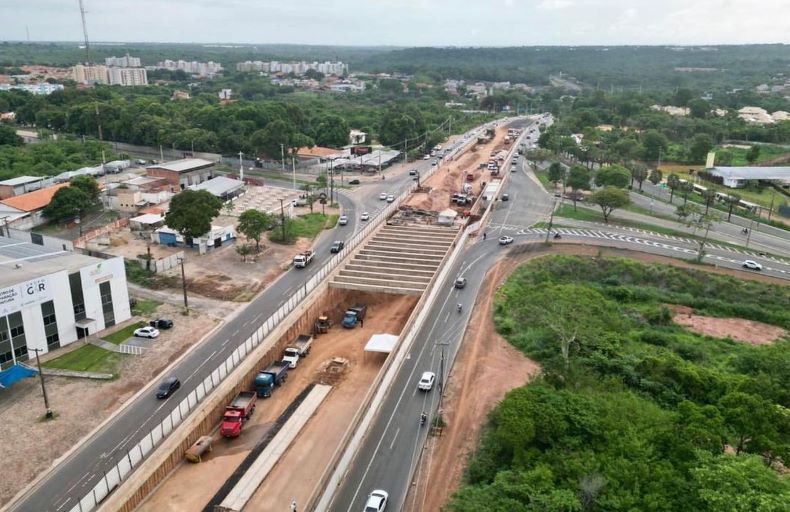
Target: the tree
pixel 609 199
pixel 723 157
pixel 578 180
pixel 8 136
pixel 655 176
pixel 191 213
pixel 556 173
pixel 613 176
pixel 699 108
pixel 332 132
pixel 673 182
pixel 732 201
pixel 753 154
pixel 654 143
pixel 686 188
pixel 708 198
pixel 252 223
pixel 638 173
pixel 67 203
pixel 700 145
pixel 88 185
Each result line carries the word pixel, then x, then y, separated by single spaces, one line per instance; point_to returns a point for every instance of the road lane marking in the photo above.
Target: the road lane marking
pixel 394 438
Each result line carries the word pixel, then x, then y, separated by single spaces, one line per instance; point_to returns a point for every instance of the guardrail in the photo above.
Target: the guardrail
pixel 115 475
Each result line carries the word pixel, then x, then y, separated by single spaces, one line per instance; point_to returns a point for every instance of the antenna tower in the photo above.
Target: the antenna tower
pixel 83 12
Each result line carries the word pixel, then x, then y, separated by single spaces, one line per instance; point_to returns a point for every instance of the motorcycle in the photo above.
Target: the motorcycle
pixel 557 236
pixel 423 418
pixel 459 308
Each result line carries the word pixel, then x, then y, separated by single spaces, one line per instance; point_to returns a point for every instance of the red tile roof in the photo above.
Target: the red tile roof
pixel 35 200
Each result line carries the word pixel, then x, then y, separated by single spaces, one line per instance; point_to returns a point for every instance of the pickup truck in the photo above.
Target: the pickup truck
pixel 274 375
pixel 303 259
pixel 354 315
pixel 239 411
pixel 299 348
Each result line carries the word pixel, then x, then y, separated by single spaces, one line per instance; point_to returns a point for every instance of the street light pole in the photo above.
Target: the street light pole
pixel 184 283
pixel 49 414
pixel 282 218
pixel 282 155
pixel 551 220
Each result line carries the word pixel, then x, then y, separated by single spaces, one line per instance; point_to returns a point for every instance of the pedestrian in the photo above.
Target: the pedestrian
pixel 485 235
pixel 361 322
pixel 293 505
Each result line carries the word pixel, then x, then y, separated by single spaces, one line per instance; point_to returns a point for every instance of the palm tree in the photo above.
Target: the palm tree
pixel 673 182
pixel 732 202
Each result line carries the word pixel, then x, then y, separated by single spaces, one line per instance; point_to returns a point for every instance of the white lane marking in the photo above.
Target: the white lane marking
pixel 394 438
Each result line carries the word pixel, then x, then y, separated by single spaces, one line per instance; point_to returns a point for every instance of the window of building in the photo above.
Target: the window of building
pixel 106 304
pixel 36 239
pixel 53 339
pixel 77 298
pixel 21 352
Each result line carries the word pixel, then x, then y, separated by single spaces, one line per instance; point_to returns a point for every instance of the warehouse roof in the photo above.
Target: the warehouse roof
pixel 183 165
pixel 752 173
pixel 21 180
pixel 219 186
pixel 22 261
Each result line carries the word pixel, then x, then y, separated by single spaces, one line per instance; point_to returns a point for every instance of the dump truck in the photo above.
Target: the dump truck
pixel 274 375
pixel 354 315
pixel 237 413
pixel 299 348
pixel 303 259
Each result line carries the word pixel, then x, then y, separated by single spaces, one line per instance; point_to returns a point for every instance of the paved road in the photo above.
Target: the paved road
pixel 78 474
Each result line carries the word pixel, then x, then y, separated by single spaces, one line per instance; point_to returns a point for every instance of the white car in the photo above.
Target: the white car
pixel 343 220
pixel 426 381
pixel 390 198
pixel 505 240
pixel 146 332
pixel 382 196
pixel 364 216
pixel 427 157
pixel 377 501
pixel 752 265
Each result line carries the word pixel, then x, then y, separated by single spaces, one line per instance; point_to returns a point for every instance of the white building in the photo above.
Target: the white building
pixel 128 76
pixel 90 74
pixel 207 69
pixel 50 297
pixel 123 62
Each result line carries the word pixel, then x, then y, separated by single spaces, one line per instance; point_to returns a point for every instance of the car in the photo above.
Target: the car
pixel 161 323
pixel 377 501
pixel 353 182
pixel 460 282
pixel 343 220
pixel 434 163
pixel 382 196
pixel 506 197
pixel 390 198
pixel 426 381
pixel 146 332
pixel 364 216
pixel 752 265
pixel 427 157
pixel 168 387
pixel 505 240
pixel 337 246
pixel 413 172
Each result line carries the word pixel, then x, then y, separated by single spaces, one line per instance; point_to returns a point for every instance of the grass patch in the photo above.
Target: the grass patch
pixel 124 334
pixel 307 226
pixel 543 177
pixel 145 307
pixel 88 358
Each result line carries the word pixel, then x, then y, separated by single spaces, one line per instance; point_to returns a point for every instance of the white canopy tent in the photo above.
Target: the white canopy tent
pixel 381 343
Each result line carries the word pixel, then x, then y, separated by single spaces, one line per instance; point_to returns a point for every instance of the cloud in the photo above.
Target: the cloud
pixel 554 5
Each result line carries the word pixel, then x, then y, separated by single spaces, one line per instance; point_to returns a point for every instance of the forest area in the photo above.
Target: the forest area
pixel 633 411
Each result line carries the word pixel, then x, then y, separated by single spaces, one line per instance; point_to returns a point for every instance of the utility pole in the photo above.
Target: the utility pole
pixel 184 284
pixel 771 208
pixel 161 154
pixel 282 155
pixel 241 166
pixel 49 414
pixel 282 218
pixel 441 377
pixel 293 171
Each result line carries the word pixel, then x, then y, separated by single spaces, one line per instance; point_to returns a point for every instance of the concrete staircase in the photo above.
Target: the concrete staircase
pixel 397 259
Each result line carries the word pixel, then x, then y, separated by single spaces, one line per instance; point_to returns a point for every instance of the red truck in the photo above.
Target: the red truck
pixel 239 411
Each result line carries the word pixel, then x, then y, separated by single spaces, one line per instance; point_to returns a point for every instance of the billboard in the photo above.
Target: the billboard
pixel 24 294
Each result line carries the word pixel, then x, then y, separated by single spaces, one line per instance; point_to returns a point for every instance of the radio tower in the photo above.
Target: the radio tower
pixel 83 12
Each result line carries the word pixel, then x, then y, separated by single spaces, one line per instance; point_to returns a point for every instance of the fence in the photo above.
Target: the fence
pixel 82 241
pixel 113 476
pixel 157 153
pixel 161 264
pixel 131 350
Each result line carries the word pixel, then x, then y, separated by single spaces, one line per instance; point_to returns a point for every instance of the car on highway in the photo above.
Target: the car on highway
pixel 161 323
pixel 337 246
pixel 343 220
pixel 505 240
pixel 413 172
pixel 168 387
pixel 427 157
pixel 460 282
pixel 426 381
pixel 353 182
pixel 390 198
pixel 506 197
pixel 752 265
pixel 382 196
pixel 364 216
pixel 377 501
pixel 434 163
pixel 146 332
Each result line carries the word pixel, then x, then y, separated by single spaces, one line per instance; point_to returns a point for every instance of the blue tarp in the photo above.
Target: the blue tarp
pixel 14 374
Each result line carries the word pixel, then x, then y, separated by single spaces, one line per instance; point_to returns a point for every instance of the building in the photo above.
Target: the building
pixel 39 89
pixel 737 177
pixel 22 185
pixel 179 95
pixel 25 211
pixel 357 137
pixel 50 298
pixel 180 174
pixel 205 69
pixel 225 94
pixel 222 187
pixel 123 62
pixel 215 238
pixel 90 74
pixel 128 76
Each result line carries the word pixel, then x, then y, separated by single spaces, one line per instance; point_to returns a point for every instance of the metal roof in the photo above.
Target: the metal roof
pixel 183 165
pixel 752 173
pixel 22 261
pixel 21 180
pixel 219 186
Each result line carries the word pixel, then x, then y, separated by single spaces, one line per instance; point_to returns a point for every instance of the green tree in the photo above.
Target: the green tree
pixel 191 213
pixel 579 180
pixel 88 185
pixel 8 136
pixel 67 203
pixel 700 145
pixel 638 173
pixel 332 132
pixel 655 176
pixel 723 157
pixel 685 188
pixel 708 198
pixel 673 183
pixel 732 201
pixel 613 176
pixel 252 223
pixel 654 143
pixel 556 173
pixel 753 154
pixel 750 486
pixel 609 199
pixel 699 108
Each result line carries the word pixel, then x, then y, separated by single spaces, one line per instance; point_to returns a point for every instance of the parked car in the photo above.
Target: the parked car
pixel 426 381
pixel 364 216
pixel 460 282
pixel 343 220
pixel 390 198
pixel 146 332
pixel 377 501
pixel 382 196
pixel 752 265
pixel 168 387
pixel 505 240
pixel 427 157
pixel 506 197
pixel 353 182
pixel 161 323
pixel 337 246
pixel 413 172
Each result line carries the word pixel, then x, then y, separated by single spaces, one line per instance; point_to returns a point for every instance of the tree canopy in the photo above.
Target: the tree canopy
pixel 192 211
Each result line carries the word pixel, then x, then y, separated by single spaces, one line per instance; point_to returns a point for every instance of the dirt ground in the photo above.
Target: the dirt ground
pixel 498 368
pixel 21 407
pixel 191 486
pixel 739 329
pixel 452 175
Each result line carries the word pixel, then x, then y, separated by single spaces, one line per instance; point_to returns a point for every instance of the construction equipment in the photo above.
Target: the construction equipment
pixel 322 324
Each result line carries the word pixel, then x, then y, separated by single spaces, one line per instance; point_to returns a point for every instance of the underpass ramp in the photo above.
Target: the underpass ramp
pixel 242 492
pixel 400 259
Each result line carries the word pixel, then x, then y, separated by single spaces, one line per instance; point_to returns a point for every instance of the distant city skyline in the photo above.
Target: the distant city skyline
pixel 404 22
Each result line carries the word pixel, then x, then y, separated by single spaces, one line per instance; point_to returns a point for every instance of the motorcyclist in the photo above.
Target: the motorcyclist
pixel 557 235
pixel 423 417
pixel 459 307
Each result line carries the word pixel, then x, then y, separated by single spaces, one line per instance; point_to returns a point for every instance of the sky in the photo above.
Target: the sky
pixel 403 22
